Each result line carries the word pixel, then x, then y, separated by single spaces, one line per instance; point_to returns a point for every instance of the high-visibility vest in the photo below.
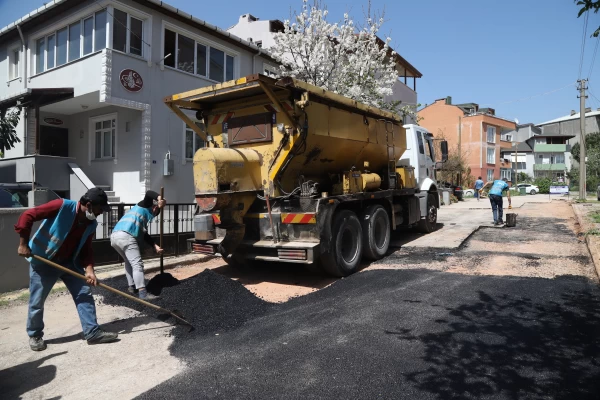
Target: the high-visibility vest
pixel 53 231
pixel 135 222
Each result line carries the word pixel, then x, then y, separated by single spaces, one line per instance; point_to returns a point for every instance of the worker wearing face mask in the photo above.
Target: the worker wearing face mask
pixel 65 237
pixel 126 237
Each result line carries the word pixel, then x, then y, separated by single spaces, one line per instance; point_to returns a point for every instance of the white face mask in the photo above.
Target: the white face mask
pixel 89 215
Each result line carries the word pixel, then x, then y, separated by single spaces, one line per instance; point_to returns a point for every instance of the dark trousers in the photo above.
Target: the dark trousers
pixel 496 207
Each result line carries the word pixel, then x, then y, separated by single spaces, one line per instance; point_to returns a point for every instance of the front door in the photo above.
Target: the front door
pixel 54 141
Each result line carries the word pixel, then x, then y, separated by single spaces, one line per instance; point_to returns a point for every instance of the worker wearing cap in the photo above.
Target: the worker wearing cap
pixel 64 237
pixel 132 228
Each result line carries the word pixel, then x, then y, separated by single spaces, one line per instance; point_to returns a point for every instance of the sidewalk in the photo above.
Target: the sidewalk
pixel 114 270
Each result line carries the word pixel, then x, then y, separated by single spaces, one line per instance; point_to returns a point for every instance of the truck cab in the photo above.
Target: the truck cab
pixel 420 154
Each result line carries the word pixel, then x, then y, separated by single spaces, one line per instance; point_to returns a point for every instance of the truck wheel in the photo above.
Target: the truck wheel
pixel 346 245
pixel 376 232
pixel 427 224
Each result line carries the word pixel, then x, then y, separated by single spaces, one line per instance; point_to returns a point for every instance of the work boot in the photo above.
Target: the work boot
pixel 145 295
pixel 37 343
pixel 103 337
pixel 132 290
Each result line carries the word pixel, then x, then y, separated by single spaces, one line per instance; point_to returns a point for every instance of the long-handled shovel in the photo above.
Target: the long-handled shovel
pixel 102 285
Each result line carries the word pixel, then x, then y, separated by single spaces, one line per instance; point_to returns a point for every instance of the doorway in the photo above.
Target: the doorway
pixel 54 141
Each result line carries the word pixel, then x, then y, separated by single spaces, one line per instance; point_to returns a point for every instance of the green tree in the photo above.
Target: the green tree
pixel 589 5
pixel 592 146
pixel 8 132
pixel 523 177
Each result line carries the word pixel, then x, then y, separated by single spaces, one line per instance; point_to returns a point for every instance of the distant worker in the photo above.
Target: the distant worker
pixel 495 195
pixel 478 185
pixel 125 238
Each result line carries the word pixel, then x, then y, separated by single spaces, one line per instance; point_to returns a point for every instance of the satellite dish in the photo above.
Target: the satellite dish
pixel 516 121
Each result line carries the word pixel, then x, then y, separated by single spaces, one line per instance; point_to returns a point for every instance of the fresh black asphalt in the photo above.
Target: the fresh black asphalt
pixel 389 334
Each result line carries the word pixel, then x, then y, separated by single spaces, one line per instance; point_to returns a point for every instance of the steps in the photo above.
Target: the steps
pixel 112 196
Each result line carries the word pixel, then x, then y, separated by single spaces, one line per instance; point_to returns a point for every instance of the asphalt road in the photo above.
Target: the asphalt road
pixel 405 334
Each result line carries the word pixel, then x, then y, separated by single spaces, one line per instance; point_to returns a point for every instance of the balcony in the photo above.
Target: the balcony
pixel 551 148
pixel 550 167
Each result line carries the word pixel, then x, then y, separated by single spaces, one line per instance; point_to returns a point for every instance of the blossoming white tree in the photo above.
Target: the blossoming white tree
pixel 339 57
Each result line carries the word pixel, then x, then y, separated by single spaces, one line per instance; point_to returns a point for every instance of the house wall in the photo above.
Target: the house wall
pixel 14 270
pixel 253 31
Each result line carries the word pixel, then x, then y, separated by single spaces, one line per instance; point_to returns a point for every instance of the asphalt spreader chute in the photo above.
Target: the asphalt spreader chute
pixel 163 317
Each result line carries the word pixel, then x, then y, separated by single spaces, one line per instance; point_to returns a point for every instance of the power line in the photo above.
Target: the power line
pixel 593 58
pixel 583 37
pixel 593 95
pixel 533 96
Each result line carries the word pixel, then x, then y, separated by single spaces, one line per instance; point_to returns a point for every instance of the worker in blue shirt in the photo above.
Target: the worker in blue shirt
pixel 478 185
pixel 495 195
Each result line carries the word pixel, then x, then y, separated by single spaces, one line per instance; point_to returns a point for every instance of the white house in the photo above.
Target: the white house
pixel 91 76
pixel 261 33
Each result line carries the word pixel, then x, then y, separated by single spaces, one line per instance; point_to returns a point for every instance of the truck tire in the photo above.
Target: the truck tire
pixel 343 257
pixel 376 232
pixel 428 224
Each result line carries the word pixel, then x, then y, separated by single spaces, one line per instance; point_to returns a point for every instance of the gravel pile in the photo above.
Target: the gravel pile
pixel 212 303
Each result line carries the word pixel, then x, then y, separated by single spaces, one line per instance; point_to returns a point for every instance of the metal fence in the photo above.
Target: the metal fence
pixel 178 228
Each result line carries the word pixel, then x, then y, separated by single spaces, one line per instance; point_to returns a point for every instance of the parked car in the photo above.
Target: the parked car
pixel 456 190
pixel 529 188
pixel 469 192
pixel 14 195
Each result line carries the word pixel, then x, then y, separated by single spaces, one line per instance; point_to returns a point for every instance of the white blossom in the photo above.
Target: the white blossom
pixel 339 57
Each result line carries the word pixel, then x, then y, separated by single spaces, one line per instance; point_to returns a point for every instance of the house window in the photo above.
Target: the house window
pixel 127 33
pixel 491 155
pixel 490 175
pixel 105 136
pixel 271 71
pixel 40 49
pixel 506 137
pixel 559 159
pixel 505 173
pixel 491 134
pixel 193 57
pixel 71 42
pixel 14 64
pixel 521 165
pixel 192 141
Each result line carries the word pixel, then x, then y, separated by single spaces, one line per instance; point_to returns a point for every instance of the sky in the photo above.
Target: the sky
pixel 521 58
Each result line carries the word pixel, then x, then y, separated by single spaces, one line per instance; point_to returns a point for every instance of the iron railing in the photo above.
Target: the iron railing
pixel 178 228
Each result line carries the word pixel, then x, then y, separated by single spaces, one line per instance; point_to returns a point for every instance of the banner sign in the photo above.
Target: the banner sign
pixel 559 190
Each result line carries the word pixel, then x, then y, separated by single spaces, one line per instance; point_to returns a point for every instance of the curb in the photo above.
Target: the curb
pixel 592 242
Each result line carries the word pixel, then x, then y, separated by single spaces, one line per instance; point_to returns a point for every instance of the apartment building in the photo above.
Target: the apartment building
pixel 479 135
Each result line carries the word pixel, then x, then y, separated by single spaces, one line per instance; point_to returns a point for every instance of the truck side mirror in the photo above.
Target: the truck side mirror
pixel 444 147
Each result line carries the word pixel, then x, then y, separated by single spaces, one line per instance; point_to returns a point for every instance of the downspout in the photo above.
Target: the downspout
pixel 24 57
pixel 254 60
pixel 481 149
pixel 25 121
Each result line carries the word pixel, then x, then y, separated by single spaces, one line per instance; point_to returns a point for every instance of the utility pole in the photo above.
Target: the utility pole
pixel 459 153
pixel 582 167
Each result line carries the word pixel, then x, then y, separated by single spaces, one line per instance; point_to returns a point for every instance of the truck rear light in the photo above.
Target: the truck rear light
pixel 295 254
pixel 203 248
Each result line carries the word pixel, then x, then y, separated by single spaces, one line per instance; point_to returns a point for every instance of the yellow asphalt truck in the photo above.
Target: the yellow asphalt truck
pixel 297 174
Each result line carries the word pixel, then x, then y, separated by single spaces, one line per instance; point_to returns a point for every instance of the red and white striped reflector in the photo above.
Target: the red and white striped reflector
pixel 290 254
pixel 220 118
pixel 203 248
